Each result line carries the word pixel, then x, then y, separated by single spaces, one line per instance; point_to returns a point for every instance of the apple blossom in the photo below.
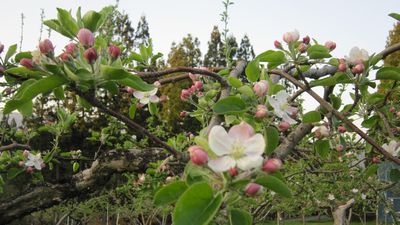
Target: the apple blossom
pixel 114 51
pixel 90 55
pixel 26 62
pixel 392 148
pixel 86 37
pixel 283 126
pixel 239 147
pixel 342 67
pixel 233 172
pixel 277 44
pixel 357 55
pixel 302 48
pixel 282 109
pixel 292 36
pixel 185 94
pixel 261 111
pixel 46 47
pixel 357 69
pixel 252 189
pixel 341 129
pixel 198 84
pixel 147 96
pixel 321 132
pixel 272 165
pixel 363 196
pixel 306 40
pixel 354 190
pixel 197 155
pixel 35 161
pixel 331 45
pixel 331 197
pixel 64 56
pixel 261 88
pixel 70 48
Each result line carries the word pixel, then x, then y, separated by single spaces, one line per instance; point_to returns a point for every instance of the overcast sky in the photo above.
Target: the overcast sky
pixel 349 23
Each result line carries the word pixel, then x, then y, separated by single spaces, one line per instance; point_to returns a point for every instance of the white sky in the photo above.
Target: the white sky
pixel 349 23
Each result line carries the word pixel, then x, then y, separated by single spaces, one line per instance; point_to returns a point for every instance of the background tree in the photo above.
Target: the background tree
pixel 245 50
pixel 142 34
pixel 215 56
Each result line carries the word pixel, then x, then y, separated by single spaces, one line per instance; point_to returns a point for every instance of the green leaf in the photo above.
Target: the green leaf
pixel 67 22
pixel 111 86
pixel 395 16
pixel 371 170
pixel 75 167
pixel 196 206
pixel 322 147
pixel 231 104
pixel 370 122
pixel 59 93
pixel 26 109
pixel 274 58
pixel 113 73
pixel 375 98
pixel 105 13
pixel 136 57
pixel 246 90
pixel 170 193
pixel 22 55
pixel 132 110
pixel 13 172
pixel 234 82
pixel 312 117
pixel 136 83
pixel 38 87
pixel 23 71
pixel 336 102
pixel 153 108
pixel 394 175
pixel 272 136
pixel 10 52
pixel 318 52
pixel 253 71
pixel 274 184
pixel 388 73
pixel 55 25
pixel 240 217
pixel 90 20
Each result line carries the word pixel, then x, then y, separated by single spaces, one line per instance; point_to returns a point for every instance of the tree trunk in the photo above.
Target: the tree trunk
pixel 339 214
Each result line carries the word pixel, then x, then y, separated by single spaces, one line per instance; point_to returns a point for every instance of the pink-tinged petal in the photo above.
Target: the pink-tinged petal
pixel 274 103
pixel 138 94
pixel 144 101
pixel 292 110
pixel 154 99
pixel 249 162
pixel 282 97
pixel 153 92
pixel 241 132
pixel 29 163
pixel 219 140
pixel 222 164
pixel 288 119
pixel 254 146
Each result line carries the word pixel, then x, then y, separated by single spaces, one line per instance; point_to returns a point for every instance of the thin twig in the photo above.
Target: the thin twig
pixel 14 146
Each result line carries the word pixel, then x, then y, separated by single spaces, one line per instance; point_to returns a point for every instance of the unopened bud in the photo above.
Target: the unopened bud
pixel 26 62
pixel 261 88
pixel 197 155
pixel 198 84
pixel 233 172
pixel 21 164
pixel 64 56
pixel 185 94
pixel 252 189
pixel 46 47
pixel 163 98
pixel 183 114
pixel 392 109
pixel 86 37
pixel 277 44
pixel 339 148
pixel 358 69
pixel 331 45
pixel 341 129
pixel 290 37
pixel 70 48
pixel 114 51
pixel 306 40
pixel 261 112
pixel 1 48
pixel 302 48
pixel 90 55
pixel 25 153
pixel 283 126
pixel 272 165
pixel 29 169
pixel 376 159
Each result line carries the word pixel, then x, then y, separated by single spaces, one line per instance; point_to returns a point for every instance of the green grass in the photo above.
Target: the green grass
pixel 315 223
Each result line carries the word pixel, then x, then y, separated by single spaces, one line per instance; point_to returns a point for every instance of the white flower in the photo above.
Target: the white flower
pixel 146 97
pixel 281 107
pixel 37 56
pixel 291 36
pixel 393 148
pixel 363 196
pixel 331 197
pixel 273 193
pixel 35 161
pixel 357 55
pixel 354 190
pixel 239 147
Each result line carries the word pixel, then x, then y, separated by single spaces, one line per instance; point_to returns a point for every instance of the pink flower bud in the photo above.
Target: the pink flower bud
pixel 321 132
pixel 130 90
pixel 157 84
pixel 358 69
pixel 114 51
pixel 200 94
pixel 197 155
pixel 21 164
pixel 163 98
pixel 26 62
pixel 261 88
pixel 376 160
pixel 342 67
pixel 1 48
pixel 341 129
pixel 261 111
pixel 398 114
pixel 192 89
pixel 70 48
pixel 277 44
pixel 64 56
pixel 46 47
pixel 185 94
pixel 233 172
pixel 306 40
pixel 302 48
pixel 139 105
pixel 392 109
pixel 198 84
pixel 283 126
pixel 252 189
pixel 339 148
pixel 29 169
pixel 2 70
pixel 272 165
pixel 25 153
pixel 183 114
pixel 331 45
pixel 90 55
pixel 290 37
pixel 86 37
pixel 194 77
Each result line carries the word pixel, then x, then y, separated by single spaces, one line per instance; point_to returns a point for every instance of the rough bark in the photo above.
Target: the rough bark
pixel 339 214
pixel 82 184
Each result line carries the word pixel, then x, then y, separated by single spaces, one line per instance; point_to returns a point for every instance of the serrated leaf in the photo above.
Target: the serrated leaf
pixel 274 184
pixel 388 73
pixel 311 117
pixel 231 104
pixel 234 82
pixel 90 20
pixel 318 52
pixel 253 71
pixel 170 193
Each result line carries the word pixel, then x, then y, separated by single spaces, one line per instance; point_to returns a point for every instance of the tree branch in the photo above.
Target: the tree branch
pixel 13 146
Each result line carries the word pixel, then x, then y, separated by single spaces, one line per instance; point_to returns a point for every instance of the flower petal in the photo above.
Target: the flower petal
pixel 249 162
pixel 282 97
pixel 219 140
pixel 37 165
pixel 154 98
pixel 241 132
pixel 29 163
pixel 222 164
pixel 287 118
pixel 274 103
pixel 138 94
pixel 153 92
pixel 144 100
pixel 254 146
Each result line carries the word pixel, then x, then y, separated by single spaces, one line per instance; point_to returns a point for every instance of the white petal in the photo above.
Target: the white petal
pixel 219 140
pixel 144 101
pixel 254 146
pixel 222 164
pixel 249 162
pixel 138 94
pixel 364 55
pixel 287 118
pixel 241 132
pixel 31 156
pixel 153 92
pixel 154 98
pixel 38 165
pixel 29 163
pixel 274 103
pixel 282 97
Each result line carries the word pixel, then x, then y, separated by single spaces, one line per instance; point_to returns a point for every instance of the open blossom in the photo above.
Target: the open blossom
pixel 393 148
pixel 281 106
pixel 34 161
pixel 239 147
pixel 357 55
pixel 292 36
pixel 331 197
pixel 148 96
